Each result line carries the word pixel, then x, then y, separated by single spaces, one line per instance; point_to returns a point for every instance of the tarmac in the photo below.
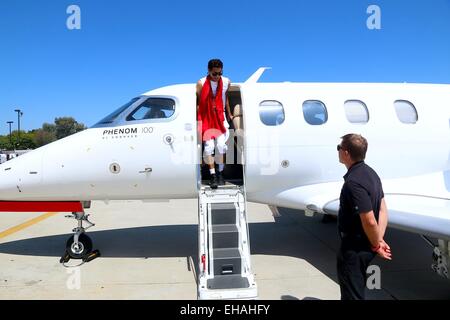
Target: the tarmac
pixel 149 251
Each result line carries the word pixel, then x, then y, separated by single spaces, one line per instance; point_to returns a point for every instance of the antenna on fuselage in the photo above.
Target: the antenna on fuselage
pixel 255 77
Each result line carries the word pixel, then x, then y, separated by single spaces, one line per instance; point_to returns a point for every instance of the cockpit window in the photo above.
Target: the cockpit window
pixel 153 108
pixel 113 116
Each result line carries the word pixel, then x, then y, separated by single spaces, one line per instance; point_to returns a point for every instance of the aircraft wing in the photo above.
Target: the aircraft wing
pixel 418 204
pixel 419 214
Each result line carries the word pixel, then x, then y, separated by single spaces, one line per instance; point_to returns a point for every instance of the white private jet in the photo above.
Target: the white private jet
pixel 284 154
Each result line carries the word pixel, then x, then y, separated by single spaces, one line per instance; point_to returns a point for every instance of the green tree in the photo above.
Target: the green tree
pixel 25 141
pixel 49 128
pixel 43 137
pixel 4 142
pixel 67 126
pixel 63 127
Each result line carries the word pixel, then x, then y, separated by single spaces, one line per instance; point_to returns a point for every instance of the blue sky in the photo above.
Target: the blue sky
pixel 125 48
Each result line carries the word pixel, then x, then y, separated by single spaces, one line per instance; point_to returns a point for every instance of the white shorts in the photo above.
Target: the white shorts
pixel 221 143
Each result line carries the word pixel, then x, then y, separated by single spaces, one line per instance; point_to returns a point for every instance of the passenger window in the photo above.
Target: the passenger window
pixel 356 111
pixel 406 112
pixel 271 113
pixel 153 108
pixel 315 112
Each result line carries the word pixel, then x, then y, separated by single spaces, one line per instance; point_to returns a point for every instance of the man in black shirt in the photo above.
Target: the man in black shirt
pixel 362 219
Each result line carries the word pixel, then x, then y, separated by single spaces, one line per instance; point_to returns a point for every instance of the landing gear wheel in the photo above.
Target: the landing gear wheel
pixel 80 250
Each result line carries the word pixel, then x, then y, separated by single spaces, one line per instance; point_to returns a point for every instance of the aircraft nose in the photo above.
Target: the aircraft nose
pixel 21 177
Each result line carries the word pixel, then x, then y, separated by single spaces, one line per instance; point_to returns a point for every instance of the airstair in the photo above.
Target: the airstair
pixel 224 249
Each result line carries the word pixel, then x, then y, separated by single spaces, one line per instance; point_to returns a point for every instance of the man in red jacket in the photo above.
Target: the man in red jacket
pixel 212 103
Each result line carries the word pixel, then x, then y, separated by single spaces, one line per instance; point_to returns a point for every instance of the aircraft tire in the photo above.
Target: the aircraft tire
pixel 84 248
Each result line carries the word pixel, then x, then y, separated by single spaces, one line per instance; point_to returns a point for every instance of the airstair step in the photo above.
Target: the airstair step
pixel 227 261
pixel 223 213
pixel 228 282
pixel 225 236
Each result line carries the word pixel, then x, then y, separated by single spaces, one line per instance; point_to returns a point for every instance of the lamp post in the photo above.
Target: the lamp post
pixel 10 138
pixel 19 114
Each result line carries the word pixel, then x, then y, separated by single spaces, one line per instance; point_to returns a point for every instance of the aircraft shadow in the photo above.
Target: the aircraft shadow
pixel 292 235
pixel 281 237
pixel 268 238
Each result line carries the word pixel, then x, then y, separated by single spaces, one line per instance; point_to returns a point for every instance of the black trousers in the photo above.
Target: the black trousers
pixel 353 258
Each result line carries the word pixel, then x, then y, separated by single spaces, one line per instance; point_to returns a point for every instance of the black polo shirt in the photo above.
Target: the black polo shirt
pixel 362 192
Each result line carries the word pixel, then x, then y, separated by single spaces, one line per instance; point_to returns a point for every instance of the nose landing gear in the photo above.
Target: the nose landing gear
pixel 79 246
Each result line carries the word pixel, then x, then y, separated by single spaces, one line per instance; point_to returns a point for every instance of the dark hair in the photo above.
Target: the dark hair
pixel 356 145
pixel 215 63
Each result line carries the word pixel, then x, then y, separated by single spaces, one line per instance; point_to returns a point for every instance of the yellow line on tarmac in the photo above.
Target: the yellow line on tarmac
pixel 26 224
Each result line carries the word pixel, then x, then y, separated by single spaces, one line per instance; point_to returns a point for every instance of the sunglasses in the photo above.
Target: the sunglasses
pixel 339 147
pixel 215 74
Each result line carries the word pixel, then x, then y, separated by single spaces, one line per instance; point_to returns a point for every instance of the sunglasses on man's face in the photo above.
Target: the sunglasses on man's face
pixel 215 74
pixel 339 147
